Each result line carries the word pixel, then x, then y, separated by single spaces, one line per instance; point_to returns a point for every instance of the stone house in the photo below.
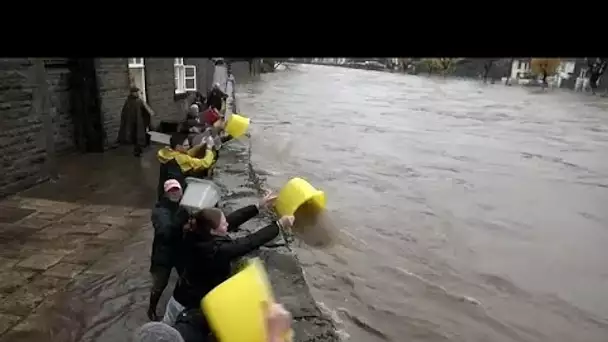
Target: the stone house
pixel 572 73
pixel 520 67
pixel 580 81
pixel 81 113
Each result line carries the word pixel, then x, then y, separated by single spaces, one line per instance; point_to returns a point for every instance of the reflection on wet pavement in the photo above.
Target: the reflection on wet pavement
pixel 64 243
pixel 475 212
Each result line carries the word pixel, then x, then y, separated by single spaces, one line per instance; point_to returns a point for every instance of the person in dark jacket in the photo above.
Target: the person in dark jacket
pixel 216 97
pixel 192 326
pixel 179 161
pixel 200 100
pixel 191 126
pixel 209 251
pixel 234 220
pixel 168 219
pixel 135 119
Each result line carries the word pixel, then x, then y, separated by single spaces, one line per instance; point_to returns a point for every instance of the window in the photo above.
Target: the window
pixel 190 78
pixel 185 76
pixel 137 75
pixel 137 62
pixel 180 75
pixel 569 67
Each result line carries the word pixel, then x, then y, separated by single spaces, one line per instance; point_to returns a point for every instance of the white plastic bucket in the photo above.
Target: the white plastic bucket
pixel 160 138
pixel 200 194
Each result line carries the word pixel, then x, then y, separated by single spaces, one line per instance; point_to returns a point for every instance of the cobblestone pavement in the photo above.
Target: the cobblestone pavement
pixel 59 232
pixel 74 253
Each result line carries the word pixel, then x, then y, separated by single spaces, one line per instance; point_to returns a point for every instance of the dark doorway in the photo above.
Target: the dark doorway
pixel 85 109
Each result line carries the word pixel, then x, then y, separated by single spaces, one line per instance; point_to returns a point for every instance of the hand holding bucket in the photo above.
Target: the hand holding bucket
pixel 313 225
pixel 295 193
pixel 237 125
pixel 244 300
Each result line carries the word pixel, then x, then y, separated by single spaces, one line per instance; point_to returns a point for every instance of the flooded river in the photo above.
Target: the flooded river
pixel 472 212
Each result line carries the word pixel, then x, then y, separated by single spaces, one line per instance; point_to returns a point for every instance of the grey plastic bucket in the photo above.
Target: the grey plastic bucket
pixel 200 194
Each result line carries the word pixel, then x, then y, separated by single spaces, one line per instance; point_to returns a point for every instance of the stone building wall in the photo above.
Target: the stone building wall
pixel 113 88
pixel 160 88
pixel 23 150
pixel 59 93
pixel 22 140
pixel 204 72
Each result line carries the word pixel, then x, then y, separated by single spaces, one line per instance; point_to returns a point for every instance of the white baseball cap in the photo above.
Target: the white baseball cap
pixel 172 184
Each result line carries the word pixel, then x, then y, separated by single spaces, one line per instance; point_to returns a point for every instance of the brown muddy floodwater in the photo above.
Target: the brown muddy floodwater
pixel 473 212
pixel 315 227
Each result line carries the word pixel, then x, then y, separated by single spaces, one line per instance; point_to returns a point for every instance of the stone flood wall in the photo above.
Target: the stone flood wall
pixel 241 186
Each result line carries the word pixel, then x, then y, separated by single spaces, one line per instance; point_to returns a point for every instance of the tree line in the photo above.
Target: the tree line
pixel 540 67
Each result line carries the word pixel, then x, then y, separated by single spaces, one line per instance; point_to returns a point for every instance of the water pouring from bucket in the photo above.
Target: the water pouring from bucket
pixel 237 125
pixel 312 223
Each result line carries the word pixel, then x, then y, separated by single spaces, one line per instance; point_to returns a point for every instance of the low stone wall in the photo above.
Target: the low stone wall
pixel 241 186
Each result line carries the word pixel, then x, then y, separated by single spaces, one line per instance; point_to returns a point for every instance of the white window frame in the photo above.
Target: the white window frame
pixel 180 75
pixel 136 62
pixel 187 78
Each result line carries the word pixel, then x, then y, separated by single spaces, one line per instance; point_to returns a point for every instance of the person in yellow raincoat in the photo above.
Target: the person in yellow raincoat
pixel 178 161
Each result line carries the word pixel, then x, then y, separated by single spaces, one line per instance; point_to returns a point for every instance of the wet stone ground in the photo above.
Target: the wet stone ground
pixel 48 244
pixel 74 253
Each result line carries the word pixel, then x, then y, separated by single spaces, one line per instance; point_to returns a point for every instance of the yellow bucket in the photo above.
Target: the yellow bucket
pixel 238 302
pixel 295 193
pixel 237 125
